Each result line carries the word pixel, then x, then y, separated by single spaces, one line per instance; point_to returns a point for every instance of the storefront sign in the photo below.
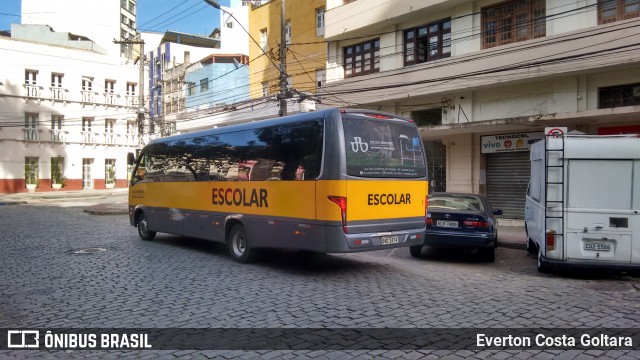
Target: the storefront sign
pixel 508 142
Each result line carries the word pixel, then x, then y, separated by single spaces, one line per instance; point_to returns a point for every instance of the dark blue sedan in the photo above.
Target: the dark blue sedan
pixel 465 221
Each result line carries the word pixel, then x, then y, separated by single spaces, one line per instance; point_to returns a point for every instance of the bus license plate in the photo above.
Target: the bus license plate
pixel 447 223
pixel 597 246
pixel 388 240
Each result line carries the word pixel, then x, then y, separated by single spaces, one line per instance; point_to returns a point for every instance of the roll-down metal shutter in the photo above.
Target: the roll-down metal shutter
pixel 507 179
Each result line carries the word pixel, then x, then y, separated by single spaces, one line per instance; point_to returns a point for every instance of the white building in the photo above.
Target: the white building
pixel 61 99
pixel 99 20
pixel 483 78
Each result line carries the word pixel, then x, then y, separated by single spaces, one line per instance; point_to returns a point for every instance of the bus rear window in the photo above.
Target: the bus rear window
pixel 382 149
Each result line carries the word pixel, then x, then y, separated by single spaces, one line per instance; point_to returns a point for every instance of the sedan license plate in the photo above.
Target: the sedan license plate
pixel 597 246
pixel 388 240
pixel 447 223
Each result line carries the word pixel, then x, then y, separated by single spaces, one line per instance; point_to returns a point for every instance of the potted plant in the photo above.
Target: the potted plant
pixel 110 181
pixel 31 176
pixel 57 179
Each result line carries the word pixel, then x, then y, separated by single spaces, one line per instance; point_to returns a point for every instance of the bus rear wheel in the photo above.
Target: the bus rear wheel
pixel 143 228
pixel 239 245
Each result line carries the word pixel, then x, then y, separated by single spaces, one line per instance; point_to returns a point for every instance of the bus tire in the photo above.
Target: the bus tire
pixel 143 228
pixel 239 248
pixel 415 250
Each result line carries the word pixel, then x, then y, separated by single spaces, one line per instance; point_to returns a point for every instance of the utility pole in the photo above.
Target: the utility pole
pixel 141 110
pixel 283 61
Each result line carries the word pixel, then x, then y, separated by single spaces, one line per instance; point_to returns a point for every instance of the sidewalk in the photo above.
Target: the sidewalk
pixel 511 233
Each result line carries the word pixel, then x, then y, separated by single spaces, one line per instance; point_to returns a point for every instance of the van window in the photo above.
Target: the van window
pixel 535 186
pixel 600 184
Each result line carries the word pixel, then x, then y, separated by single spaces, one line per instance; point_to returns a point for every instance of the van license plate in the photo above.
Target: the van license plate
pixel 447 223
pixel 388 240
pixel 597 246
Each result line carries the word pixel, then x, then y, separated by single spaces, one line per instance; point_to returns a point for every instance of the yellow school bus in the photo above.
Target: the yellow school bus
pixel 330 181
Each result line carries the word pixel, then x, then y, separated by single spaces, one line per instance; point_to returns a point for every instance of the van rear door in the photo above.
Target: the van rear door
pixel 600 215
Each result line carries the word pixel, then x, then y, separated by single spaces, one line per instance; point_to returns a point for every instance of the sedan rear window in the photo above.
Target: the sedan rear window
pixel 461 203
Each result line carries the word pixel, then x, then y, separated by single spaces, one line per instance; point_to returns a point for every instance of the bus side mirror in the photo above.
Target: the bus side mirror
pixel 131 159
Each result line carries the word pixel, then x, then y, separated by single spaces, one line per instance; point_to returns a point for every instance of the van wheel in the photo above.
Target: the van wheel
pixel 143 228
pixel 239 245
pixel 541 264
pixel 415 250
pixel 531 247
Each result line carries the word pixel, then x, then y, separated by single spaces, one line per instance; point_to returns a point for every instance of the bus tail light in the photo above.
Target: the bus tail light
pixel 341 201
pixel 551 240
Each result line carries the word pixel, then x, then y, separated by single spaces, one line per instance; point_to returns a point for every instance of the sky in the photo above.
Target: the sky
pixel 189 16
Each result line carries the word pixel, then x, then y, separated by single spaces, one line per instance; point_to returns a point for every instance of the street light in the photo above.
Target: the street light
pixel 281 71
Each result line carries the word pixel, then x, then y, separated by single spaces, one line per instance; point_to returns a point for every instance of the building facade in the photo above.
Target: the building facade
pixel 484 79
pixel 306 51
pixel 116 20
pixel 69 113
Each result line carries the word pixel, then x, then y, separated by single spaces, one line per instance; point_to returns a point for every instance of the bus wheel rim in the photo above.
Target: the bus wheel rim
pixel 239 244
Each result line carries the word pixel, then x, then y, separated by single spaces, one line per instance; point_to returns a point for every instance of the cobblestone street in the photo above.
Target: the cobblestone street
pixel 176 282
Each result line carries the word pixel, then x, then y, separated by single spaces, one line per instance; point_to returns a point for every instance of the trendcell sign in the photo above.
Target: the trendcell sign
pixel 508 142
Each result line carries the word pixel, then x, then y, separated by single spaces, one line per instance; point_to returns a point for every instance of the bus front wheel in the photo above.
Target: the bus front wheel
pixel 143 228
pixel 239 245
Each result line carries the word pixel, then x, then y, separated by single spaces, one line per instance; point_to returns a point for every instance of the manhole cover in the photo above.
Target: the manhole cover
pixel 90 250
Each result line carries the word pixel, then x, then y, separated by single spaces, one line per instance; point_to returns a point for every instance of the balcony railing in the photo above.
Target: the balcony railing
pixel 110 98
pixel 88 137
pixel 131 139
pixel 57 93
pixel 30 134
pixel 131 100
pixel 31 90
pixel 109 138
pixel 88 96
pixel 57 135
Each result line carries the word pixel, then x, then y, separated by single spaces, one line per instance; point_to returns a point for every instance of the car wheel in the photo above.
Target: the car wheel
pixel 239 245
pixel 542 265
pixel 143 228
pixel 488 254
pixel 415 250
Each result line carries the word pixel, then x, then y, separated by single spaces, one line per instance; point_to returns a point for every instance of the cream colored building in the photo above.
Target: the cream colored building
pixel 483 79
pixel 62 100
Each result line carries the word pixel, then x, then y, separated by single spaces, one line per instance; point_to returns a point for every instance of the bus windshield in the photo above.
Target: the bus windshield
pixel 382 148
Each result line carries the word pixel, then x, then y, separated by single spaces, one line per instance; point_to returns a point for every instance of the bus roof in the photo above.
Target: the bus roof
pixel 278 121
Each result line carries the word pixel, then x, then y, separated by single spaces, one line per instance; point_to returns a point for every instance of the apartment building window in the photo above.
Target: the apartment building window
pixel 132 7
pixel 87 135
pixel 616 10
pixel 31 170
pixel 618 96
pixel 109 136
pixel 321 78
pixel 31 126
pixel 287 32
pixel 131 94
pixel 87 89
pixel 513 21
pixel 428 42
pixel 191 88
pixel 320 21
pixel 56 128
pixel 361 59
pixel 123 19
pixel 230 25
pixel 263 39
pixel 123 4
pixel 56 86
pixel 265 89
pixel 109 92
pixel 30 83
pixel 204 84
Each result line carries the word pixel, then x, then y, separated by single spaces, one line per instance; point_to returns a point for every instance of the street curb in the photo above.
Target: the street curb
pixel 106 212
pixel 511 245
pixel 13 203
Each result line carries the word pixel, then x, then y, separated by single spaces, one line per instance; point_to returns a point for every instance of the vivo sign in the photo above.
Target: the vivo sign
pixel 508 142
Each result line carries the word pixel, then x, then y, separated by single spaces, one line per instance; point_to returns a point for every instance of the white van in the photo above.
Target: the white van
pixel 583 202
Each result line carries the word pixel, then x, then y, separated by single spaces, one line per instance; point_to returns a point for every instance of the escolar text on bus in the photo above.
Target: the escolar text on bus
pixel 237 197
pixel 389 199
